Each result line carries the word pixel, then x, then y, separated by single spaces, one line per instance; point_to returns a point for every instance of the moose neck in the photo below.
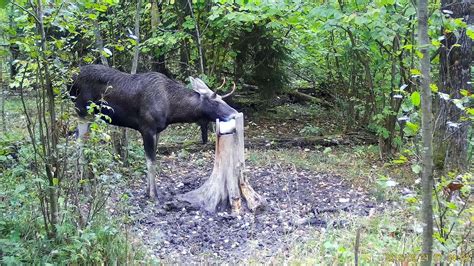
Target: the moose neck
pixel 185 107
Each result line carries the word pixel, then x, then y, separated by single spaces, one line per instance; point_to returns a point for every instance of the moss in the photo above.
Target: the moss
pixel 439 156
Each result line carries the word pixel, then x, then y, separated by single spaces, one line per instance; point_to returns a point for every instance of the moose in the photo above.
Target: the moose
pixel 146 102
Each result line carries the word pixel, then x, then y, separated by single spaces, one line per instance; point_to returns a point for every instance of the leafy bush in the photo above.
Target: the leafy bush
pixel 23 238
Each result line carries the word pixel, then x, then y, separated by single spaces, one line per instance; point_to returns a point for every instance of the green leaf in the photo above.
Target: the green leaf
pixel 436 43
pixel 415 72
pixel 470 111
pixel 119 47
pixel 451 206
pixel 411 200
pixel 416 168
pixel 20 188
pixel 401 160
pixel 438 237
pixel 55 181
pixel 3 3
pixel 464 93
pixel 412 126
pixel 415 98
pixel 460 22
pixel 470 33
pixel 434 87
pixel 411 129
pixel 100 8
pixel 419 54
pixel 327 150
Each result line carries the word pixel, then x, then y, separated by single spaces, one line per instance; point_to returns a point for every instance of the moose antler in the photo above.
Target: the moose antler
pixel 220 87
pixel 230 93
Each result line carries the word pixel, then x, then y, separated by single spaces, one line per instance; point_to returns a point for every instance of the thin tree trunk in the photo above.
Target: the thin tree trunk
pixel 3 91
pixel 158 63
pixel 123 150
pixel 198 38
pixel 386 144
pixel 137 34
pixel 182 10
pixel 99 43
pixel 154 21
pixel 427 134
pixel 118 136
pixel 50 143
pixel 451 134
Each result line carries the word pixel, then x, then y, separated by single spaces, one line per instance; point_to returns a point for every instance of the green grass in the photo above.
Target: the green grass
pixel 23 238
pixel 391 234
pixel 357 164
pixel 381 239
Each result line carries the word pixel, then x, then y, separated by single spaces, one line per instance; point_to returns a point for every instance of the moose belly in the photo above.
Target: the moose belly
pixel 118 116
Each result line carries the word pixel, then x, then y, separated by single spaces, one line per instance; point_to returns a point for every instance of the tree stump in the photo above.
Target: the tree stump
pixel 227 186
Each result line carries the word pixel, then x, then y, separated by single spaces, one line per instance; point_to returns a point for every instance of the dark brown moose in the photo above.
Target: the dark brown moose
pixel 146 102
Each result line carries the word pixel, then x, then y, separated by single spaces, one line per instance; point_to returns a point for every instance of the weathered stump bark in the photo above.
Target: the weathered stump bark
pixel 227 186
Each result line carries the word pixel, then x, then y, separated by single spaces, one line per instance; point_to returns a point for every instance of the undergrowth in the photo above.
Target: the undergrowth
pixel 24 237
pixel 357 164
pixel 391 233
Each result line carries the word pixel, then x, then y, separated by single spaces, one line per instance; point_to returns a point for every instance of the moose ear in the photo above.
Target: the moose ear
pixel 199 86
pixel 191 79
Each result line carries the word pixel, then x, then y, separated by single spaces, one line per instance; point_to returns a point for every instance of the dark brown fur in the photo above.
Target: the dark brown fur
pixel 146 102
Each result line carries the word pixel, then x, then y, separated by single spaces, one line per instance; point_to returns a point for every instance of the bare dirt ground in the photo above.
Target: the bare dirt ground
pixel 299 202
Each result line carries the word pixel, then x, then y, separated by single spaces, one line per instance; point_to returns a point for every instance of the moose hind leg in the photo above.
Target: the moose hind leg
pixel 149 143
pixel 82 129
pixel 83 171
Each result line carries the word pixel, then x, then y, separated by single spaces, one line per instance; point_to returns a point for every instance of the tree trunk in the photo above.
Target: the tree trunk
pixel 50 143
pixel 451 132
pixel 227 184
pixel 99 43
pixel 386 144
pixel 182 11
pixel 427 134
pixel 120 138
pixel 3 91
pixel 137 34
pixel 158 63
pixel 198 38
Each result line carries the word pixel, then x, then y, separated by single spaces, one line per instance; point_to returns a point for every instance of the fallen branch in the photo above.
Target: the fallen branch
pixel 300 97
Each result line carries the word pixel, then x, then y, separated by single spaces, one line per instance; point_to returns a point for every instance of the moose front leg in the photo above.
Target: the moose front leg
pixel 204 128
pixel 149 142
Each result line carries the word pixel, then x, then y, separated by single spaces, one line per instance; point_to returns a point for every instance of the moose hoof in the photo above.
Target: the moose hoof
pixel 152 194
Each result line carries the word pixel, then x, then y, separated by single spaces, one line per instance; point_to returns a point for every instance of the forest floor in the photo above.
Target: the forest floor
pixel 318 195
pixel 299 202
pixel 308 189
